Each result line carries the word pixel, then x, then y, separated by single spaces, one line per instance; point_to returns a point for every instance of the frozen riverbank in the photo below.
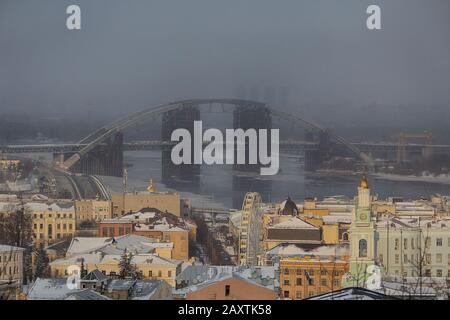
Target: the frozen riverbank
pixel 442 179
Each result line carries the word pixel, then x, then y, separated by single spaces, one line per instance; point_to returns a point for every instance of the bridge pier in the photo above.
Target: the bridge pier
pixel 104 160
pixel 315 158
pixel 251 117
pixel 177 119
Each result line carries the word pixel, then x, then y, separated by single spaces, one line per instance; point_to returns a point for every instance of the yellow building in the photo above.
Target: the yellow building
pixel 6 164
pixel 52 222
pixel 93 210
pixel 11 263
pixel 150 266
pixel 305 277
pixel 135 201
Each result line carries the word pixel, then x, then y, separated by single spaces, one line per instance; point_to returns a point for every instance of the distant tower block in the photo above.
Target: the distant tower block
pixel 283 96
pixel 254 94
pixel 251 117
pixel 179 119
pixel 241 93
pixel 269 96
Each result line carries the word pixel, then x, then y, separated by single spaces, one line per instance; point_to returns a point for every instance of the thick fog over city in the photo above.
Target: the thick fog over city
pixel 318 54
pixel 253 150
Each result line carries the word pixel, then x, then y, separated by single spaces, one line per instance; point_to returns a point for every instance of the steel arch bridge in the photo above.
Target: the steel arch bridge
pixel 251 229
pixel 101 135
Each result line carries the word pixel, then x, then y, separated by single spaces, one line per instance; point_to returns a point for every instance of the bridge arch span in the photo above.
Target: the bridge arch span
pixel 107 131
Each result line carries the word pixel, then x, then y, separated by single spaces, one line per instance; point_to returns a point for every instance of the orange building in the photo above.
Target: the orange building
pixel 151 223
pixel 233 288
pixel 301 278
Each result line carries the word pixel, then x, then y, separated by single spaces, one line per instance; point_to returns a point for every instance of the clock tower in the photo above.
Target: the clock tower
pixel 362 237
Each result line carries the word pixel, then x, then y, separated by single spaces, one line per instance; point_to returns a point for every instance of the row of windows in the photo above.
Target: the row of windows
pixel 50 215
pixel 111 231
pixel 415 259
pixel 113 273
pixel 96 209
pixel 415 243
pixel 299 294
pixel 426 273
pixel 58 226
pixel 9 271
pixel 9 257
pixel 311 272
pixel 310 282
pixel 40 236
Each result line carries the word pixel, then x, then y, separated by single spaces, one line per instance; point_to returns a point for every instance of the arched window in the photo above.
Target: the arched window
pixel 345 236
pixel 362 248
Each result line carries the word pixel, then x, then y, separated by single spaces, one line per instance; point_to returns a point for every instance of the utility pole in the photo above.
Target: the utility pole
pixel 125 181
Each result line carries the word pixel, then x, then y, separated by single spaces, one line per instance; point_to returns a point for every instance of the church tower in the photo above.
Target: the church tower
pixel 362 235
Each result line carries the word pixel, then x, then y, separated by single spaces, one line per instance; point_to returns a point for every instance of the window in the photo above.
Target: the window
pixel 227 290
pixel 438 273
pixel 323 282
pixel 412 243
pixel 428 273
pixel 448 259
pixel 286 282
pixel 405 244
pixel 335 283
pixel 323 272
pixel 299 281
pixel 298 295
pixel 439 258
pixel 405 258
pixel 345 236
pixel 169 273
pixel 428 258
pixel 311 281
pixel 438 242
pixel 396 244
pixel 363 248
pixel 286 294
pixel 427 242
pixel 397 259
pixel 159 273
pixel 299 272
pixel 448 242
pixel 150 274
pixel 286 271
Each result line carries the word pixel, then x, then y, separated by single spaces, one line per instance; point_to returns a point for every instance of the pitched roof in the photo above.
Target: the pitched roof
pixel 7 248
pixel 86 294
pixel 144 289
pixel 49 289
pixel 352 293
pixel 294 223
pixel 96 275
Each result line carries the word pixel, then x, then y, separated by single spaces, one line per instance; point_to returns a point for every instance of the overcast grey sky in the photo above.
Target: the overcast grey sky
pixel 134 53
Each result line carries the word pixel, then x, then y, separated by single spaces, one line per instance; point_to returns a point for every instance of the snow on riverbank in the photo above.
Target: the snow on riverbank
pixel 443 178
